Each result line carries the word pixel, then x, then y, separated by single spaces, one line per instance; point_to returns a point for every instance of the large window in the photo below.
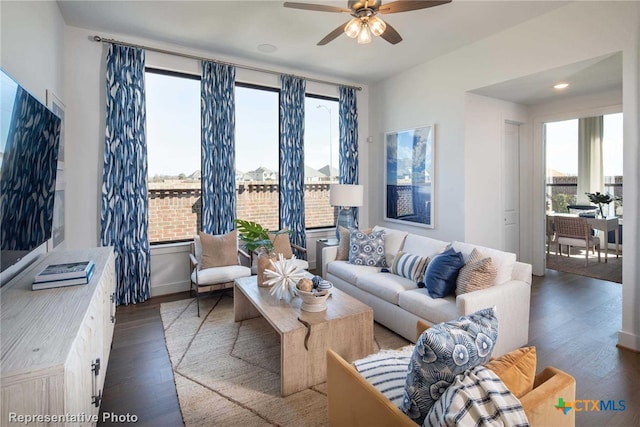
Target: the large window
pixel 257 165
pixel 174 157
pixel 321 154
pixel 173 151
pixel 562 162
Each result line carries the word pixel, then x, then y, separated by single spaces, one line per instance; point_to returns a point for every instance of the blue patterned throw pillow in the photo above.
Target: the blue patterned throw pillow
pixel 442 273
pixel 367 249
pixel 444 351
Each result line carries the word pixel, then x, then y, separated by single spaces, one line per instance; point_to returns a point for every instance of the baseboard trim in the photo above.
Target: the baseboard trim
pixel 169 288
pixel 628 341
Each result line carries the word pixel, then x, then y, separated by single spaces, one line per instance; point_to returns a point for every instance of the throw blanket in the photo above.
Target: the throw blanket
pixel 477 398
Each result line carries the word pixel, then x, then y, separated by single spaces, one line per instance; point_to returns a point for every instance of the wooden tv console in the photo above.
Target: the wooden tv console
pixel 56 343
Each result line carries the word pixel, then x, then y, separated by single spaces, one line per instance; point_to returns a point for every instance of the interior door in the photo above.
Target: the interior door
pixel 511 188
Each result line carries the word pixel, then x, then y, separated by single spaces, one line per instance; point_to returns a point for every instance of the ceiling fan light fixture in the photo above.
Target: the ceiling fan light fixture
pixel 365 34
pixel 377 25
pixel 352 29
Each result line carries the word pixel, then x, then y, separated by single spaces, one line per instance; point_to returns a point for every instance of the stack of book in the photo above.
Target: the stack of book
pixel 59 275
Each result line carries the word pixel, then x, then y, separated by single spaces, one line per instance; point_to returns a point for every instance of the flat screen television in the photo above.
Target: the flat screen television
pixel 29 139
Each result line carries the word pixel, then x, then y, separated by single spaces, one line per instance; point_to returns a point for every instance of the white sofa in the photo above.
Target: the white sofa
pixel 398 303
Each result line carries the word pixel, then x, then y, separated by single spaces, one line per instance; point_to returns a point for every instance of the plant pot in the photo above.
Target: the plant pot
pixel 264 262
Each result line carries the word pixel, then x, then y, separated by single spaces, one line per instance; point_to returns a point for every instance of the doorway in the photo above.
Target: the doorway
pixel 582 156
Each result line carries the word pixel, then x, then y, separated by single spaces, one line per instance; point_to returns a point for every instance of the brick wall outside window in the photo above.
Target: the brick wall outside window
pixel 174 207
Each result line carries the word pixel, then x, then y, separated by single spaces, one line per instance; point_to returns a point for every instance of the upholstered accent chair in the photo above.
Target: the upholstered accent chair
pixel 212 275
pixel 353 401
pixel 575 231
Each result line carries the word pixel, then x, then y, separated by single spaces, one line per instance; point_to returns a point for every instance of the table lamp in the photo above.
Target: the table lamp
pixel 347 197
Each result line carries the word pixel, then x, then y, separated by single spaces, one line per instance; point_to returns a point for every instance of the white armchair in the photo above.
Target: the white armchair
pixel 220 276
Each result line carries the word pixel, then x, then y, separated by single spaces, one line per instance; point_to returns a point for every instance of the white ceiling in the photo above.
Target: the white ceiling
pixel 236 28
pixel 585 77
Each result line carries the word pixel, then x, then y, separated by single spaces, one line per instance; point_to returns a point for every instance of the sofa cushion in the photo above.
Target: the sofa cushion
pixel 367 249
pixel 386 286
pixel 423 246
pixel 410 266
pixel 350 272
pixel 478 273
pixel 444 351
pixel 503 261
pixel 343 245
pixel 442 273
pixel 393 242
pixel 516 369
pixel 387 371
pixel 435 310
pixel 219 250
pixel 281 243
pixel 213 276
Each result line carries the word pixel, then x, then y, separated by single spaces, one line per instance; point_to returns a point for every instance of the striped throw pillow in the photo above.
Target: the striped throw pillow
pixel 477 273
pixel 387 371
pixel 410 266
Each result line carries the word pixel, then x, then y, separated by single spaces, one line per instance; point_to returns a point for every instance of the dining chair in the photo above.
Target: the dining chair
pixel 575 231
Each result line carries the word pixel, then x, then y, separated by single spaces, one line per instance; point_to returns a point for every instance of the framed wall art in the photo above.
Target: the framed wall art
pixel 409 176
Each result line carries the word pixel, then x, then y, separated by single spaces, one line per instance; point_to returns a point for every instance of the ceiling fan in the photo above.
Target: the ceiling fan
pixel 365 21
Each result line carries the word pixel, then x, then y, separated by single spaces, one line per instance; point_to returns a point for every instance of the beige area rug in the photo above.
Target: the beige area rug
pixel 610 271
pixel 228 374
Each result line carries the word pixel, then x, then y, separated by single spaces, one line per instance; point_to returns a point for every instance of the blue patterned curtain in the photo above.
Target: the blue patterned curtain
pixel 348 136
pixel 125 213
pixel 292 158
pixel 218 147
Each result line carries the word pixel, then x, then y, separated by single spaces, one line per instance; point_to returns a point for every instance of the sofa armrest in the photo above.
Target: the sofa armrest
pixel 512 300
pixel 353 401
pixel 522 271
pixel 539 404
pixel 329 253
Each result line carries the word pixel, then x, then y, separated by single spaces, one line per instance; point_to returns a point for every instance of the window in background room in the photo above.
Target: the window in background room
pixel 562 164
pixel 257 161
pixel 173 152
pixel 612 159
pixel 321 154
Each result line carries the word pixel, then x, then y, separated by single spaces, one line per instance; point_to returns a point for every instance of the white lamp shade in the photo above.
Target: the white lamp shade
pixel 348 195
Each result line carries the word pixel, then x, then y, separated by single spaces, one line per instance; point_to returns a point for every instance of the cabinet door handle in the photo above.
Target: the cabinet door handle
pixel 112 315
pixel 96 396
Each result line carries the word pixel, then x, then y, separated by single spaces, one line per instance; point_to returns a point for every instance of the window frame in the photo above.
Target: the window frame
pixel 189 76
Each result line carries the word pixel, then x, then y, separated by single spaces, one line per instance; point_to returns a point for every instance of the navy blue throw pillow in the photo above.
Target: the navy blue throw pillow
pixel 442 273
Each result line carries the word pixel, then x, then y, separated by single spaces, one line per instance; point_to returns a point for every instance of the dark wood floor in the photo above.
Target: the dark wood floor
pixel 574 325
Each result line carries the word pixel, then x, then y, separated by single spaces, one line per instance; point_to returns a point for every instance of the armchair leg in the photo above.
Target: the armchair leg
pixel 198 301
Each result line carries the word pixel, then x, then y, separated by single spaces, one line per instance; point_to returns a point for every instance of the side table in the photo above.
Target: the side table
pixel 320 244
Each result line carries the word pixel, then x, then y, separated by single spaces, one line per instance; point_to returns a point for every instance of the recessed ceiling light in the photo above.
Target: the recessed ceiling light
pixel 561 86
pixel 267 48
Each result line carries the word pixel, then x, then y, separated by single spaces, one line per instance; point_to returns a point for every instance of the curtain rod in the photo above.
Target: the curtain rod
pixel 202 58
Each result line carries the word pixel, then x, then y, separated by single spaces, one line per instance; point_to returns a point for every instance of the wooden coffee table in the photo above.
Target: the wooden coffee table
pixel 345 327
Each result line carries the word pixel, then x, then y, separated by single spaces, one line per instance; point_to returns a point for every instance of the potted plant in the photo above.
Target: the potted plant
pixel 256 239
pixel 599 199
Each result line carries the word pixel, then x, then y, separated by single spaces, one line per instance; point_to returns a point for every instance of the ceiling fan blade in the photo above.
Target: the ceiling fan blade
pixel 408 5
pixel 316 7
pixel 332 35
pixel 391 35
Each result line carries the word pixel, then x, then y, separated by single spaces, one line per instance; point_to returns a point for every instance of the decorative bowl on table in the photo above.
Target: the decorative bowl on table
pixel 315 300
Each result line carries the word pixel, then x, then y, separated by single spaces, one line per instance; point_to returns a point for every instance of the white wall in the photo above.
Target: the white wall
pixel 32 52
pixel 484 134
pixel 85 87
pixel 434 93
